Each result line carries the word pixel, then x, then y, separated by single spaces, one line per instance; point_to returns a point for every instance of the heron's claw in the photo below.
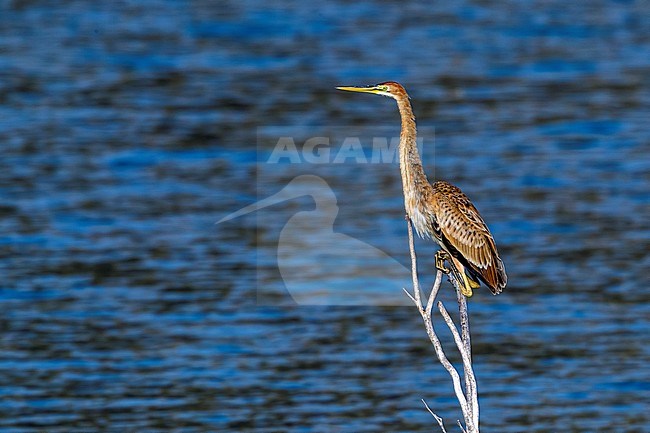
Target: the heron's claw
pixel 440 258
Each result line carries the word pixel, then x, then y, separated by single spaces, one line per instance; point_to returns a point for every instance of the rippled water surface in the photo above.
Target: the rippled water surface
pixel 129 128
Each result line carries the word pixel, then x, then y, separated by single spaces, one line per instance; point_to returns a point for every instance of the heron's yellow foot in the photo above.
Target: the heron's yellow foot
pixel 468 285
pixel 440 258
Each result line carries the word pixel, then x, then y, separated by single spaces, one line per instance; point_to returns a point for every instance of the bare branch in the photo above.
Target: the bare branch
pixel 464 321
pixel 470 385
pixel 470 379
pixel 468 372
pixel 410 296
pixel 414 266
pixel 465 335
pixel 435 341
pixel 467 397
pixel 455 378
pixel 440 423
pixel 434 292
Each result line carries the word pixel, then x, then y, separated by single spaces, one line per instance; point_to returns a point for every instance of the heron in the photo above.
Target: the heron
pixel 441 210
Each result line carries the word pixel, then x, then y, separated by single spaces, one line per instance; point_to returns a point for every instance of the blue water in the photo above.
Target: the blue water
pixel 128 129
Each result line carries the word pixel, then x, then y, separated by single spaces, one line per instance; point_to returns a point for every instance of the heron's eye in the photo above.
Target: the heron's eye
pixel 385 88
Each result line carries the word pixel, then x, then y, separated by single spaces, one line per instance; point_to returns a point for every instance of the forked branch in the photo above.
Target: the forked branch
pixel 468 395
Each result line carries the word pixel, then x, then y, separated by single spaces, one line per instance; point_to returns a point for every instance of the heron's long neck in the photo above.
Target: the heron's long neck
pixel 414 181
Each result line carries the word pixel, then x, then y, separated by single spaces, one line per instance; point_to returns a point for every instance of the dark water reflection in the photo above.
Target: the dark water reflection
pixel 127 129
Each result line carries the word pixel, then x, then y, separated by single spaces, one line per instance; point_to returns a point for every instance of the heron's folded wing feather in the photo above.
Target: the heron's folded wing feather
pixel 461 225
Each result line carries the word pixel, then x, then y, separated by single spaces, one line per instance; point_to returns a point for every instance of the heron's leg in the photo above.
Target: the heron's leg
pixel 461 278
pixel 440 257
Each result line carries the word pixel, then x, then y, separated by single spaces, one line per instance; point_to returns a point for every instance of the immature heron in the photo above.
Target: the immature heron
pixel 441 210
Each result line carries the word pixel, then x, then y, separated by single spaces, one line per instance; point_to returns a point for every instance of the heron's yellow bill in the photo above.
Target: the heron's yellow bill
pixel 369 89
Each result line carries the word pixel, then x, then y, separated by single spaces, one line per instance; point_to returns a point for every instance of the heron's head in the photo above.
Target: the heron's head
pixel 389 88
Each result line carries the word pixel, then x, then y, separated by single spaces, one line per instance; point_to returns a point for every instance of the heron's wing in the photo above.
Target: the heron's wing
pixel 460 225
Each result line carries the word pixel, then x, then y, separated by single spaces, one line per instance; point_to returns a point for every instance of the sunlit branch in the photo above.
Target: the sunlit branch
pixel 467 397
